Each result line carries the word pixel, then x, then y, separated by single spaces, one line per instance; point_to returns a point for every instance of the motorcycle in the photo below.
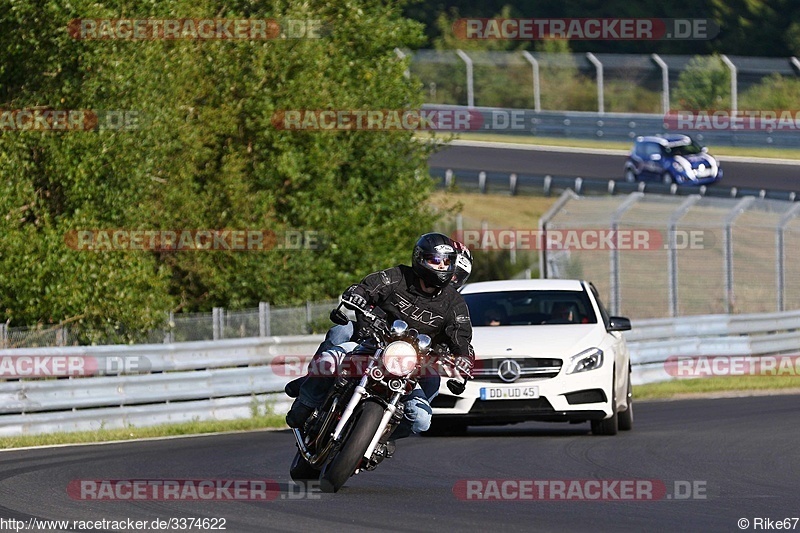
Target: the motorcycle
pixel 350 432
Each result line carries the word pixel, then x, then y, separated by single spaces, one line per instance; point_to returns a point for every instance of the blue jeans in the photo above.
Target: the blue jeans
pixel 316 386
pixel 417 414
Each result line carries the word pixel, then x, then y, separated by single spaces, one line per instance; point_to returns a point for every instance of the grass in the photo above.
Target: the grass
pixel 499 211
pixel 166 430
pixel 741 151
pixel 685 388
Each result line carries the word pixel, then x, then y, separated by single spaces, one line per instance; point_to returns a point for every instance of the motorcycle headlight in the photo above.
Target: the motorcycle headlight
pixel 399 358
pixel 590 359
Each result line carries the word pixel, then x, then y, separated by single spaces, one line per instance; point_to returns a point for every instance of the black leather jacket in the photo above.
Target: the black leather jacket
pixel 443 315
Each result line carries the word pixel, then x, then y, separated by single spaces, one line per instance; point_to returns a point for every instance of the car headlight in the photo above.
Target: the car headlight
pixel 590 359
pixel 400 358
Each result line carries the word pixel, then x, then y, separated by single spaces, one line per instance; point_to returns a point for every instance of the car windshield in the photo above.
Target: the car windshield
pixel 523 308
pixel 684 149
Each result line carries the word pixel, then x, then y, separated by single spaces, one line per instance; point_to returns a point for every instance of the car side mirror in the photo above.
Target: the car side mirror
pixel 619 323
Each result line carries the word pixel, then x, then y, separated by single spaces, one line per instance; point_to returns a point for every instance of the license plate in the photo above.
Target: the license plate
pixel 509 393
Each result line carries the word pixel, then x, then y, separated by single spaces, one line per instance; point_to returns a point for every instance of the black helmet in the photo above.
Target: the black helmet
pixel 463 265
pixel 434 259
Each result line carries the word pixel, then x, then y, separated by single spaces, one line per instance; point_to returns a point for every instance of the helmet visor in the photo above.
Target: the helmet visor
pixel 439 261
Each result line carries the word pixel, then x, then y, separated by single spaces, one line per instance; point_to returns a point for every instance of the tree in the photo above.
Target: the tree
pixel 705 84
pixel 205 156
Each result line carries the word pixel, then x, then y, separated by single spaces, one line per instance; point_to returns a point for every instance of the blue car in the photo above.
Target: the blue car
pixel 671 159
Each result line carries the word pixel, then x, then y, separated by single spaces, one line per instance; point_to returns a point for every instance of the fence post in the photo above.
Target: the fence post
pixel 169 335
pixel 470 81
pixel 512 256
pixel 734 91
pixel 448 178
pixel 672 251
pixel 615 279
pixel 264 323
pixel 482 182
pixel 537 100
pixel 216 322
pixel 3 336
pixel 402 55
pixel 61 336
pixel 599 67
pixel 308 317
pixel 728 248
pixel 664 82
pixel 781 254
pixel 565 197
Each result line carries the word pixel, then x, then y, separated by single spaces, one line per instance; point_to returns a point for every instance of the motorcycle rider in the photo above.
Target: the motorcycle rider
pixel 422 295
pixel 339 334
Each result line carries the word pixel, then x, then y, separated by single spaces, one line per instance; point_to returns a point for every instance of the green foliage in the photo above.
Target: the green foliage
pixel 492 265
pixel 775 92
pixel 704 84
pixel 206 156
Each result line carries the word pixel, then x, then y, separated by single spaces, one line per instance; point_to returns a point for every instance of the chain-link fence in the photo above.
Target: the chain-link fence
pixel 263 321
pixel 659 256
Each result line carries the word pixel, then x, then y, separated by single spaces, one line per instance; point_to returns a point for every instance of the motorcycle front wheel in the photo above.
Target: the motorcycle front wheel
pixel 342 466
pixel 301 470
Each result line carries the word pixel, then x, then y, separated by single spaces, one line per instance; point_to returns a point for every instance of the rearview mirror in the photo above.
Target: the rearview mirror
pixel 619 323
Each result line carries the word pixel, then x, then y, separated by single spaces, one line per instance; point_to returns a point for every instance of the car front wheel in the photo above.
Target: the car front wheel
pixel 625 422
pixel 666 178
pixel 630 175
pixel 608 426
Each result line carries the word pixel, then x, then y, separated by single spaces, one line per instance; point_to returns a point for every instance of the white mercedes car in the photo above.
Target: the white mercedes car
pixel 545 350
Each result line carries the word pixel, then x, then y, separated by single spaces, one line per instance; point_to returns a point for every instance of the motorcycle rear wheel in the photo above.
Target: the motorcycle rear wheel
pixel 336 473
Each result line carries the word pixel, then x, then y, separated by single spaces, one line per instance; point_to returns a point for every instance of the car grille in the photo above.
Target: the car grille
pixel 511 407
pixel 530 367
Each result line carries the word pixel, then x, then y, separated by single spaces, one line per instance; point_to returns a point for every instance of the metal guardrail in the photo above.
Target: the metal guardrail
pixel 606 126
pixel 189 381
pixel 229 379
pixel 653 342
pixel 521 184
